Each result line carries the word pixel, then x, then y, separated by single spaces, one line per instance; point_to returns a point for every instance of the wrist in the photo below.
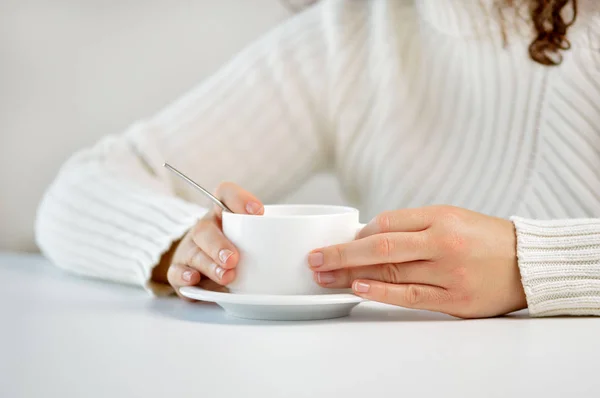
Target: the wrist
pixel 518 294
pixel 159 273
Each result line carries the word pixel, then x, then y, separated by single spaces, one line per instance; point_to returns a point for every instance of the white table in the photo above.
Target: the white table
pixel 63 336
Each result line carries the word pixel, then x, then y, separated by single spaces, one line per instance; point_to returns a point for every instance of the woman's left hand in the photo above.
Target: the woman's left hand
pixel 438 258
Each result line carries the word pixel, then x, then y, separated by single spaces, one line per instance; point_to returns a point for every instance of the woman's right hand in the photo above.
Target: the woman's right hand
pixel 204 254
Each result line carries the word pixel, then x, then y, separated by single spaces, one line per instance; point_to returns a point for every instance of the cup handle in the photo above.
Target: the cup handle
pixel 358 228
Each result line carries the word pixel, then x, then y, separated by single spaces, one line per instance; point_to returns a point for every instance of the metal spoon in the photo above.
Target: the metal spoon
pixel 198 187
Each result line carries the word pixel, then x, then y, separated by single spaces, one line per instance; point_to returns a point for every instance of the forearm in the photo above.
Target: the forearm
pixel 108 216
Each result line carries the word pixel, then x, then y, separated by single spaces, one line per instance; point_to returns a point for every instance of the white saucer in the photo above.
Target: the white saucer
pixel 275 307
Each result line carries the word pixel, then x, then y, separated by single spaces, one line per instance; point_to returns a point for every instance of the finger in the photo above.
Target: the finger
pixel 210 239
pixel 208 284
pixel 422 297
pixel 420 272
pixel 238 200
pixel 405 220
pixel 207 267
pixel 397 247
pixel 180 275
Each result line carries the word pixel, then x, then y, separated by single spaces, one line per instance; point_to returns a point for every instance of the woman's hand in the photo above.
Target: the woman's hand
pixel 438 258
pixel 204 253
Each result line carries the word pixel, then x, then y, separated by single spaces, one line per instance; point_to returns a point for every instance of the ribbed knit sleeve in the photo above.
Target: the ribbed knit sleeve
pixel 108 216
pixel 560 265
pixel 114 210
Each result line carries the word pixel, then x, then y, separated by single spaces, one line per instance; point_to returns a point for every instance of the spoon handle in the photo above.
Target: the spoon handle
pixel 198 187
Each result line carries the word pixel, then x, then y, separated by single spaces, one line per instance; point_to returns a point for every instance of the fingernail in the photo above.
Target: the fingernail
pixel 218 271
pixel 361 287
pixel 187 275
pixel 316 259
pixel 224 255
pixel 325 277
pixel 253 208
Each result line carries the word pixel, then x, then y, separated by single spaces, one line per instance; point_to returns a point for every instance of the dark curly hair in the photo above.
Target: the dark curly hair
pixel 551 29
pixel 547 18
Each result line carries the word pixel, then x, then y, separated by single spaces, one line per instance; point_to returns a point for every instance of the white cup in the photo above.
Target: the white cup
pixel 274 247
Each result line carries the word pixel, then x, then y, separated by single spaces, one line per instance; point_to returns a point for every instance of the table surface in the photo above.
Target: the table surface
pixel 62 335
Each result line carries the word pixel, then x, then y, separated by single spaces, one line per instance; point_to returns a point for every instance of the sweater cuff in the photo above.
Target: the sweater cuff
pixel 559 262
pixel 188 215
pixel 121 240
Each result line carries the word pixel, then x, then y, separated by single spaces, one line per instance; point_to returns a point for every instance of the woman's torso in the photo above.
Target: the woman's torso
pixel 426 117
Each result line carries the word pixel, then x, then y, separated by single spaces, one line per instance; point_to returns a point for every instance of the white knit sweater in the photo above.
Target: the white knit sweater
pixel 410 103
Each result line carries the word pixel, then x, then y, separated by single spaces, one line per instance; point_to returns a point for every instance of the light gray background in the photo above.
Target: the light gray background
pixel 72 71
